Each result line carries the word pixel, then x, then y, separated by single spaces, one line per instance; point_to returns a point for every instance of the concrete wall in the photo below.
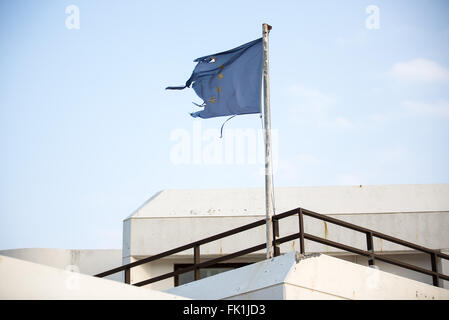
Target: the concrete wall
pixel 21 279
pixel 326 199
pixel 88 262
pixel 316 276
pixel 149 236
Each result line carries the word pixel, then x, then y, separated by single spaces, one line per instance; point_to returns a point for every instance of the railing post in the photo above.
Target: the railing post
pixel 128 276
pixel 302 249
pixel 370 247
pixel 276 247
pixel 196 261
pixel 433 261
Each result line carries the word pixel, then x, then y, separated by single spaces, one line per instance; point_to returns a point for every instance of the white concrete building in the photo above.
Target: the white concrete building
pixel 172 218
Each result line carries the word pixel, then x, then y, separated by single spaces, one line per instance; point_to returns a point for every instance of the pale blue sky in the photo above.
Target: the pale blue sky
pixel 85 122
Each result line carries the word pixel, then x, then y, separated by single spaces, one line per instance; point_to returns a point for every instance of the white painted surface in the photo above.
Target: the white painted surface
pixel 292 277
pixel 88 262
pixel 326 200
pixel 346 280
pixel 155 235
pixel 21 279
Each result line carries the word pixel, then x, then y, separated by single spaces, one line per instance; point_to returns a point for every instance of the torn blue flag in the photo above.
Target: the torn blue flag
pixel 228 82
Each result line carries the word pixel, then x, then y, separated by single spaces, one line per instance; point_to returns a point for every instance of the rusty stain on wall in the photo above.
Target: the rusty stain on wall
pixel 326 235
pixel 326 232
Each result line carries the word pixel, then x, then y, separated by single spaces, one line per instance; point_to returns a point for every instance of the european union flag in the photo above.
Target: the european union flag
pixel 228 82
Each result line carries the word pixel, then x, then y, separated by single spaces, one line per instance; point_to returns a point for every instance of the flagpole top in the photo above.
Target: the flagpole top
pixel 267 26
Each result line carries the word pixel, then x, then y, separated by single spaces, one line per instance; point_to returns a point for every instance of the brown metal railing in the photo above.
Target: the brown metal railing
pixel 301 236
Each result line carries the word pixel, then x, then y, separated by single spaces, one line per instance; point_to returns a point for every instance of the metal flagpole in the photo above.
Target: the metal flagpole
pixel 267 130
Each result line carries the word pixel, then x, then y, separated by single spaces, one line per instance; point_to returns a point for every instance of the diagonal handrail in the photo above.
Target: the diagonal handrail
pixel 301 236
pixel 183 248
